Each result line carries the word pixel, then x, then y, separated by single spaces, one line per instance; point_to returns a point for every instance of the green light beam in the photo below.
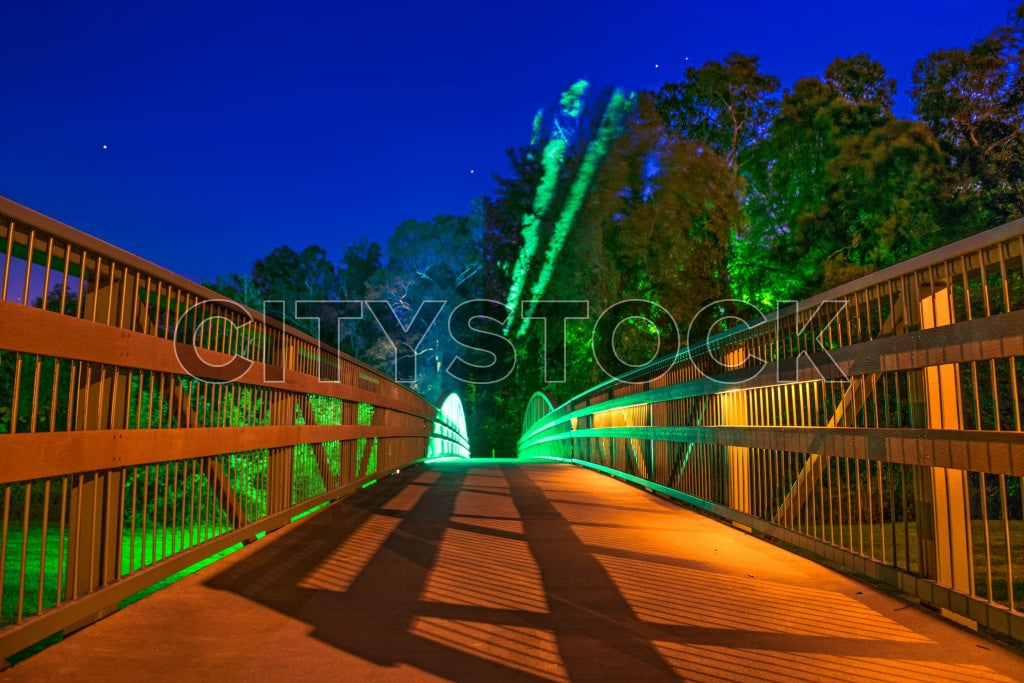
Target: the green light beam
pixel 551 160
pixel 611 125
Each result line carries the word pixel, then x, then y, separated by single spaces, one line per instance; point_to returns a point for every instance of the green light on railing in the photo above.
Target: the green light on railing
pixel 191 569
pixel 368 484
pixel 310 511
pixel 449 436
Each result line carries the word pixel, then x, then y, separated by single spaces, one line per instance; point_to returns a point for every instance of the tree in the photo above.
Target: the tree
pixel 973 100
pixel 881 204
pixel 359 261
pixel 727 105
pixel 443 254
pixel 570 151
pixel 502 220
pixel 436 260
pixel 786 180
pixel 838 188
pixel 240 288
pixel 658 223
pixel 287 276
pixel 862 82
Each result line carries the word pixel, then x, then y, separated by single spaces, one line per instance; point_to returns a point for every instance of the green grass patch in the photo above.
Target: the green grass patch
pixel 43 574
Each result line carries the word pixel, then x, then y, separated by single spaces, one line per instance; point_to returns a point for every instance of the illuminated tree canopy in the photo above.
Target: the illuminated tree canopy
pixel 720 185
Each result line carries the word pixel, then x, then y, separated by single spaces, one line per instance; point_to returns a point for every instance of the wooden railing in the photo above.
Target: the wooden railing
pixel 887 438
pixel 147 424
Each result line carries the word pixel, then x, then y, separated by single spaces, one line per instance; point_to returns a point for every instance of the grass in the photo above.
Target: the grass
pixel 34 559
pixel 145 551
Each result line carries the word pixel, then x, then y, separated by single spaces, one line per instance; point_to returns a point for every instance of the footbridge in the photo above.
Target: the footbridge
pixel 688 519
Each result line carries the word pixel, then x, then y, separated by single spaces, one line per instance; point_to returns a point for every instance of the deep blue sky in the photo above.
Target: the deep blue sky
pixel 233 130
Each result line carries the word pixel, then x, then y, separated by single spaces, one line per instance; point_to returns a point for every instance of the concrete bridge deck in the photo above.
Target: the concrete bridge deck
pixel 549 572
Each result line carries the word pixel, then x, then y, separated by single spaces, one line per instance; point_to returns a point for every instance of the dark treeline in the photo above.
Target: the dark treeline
pixel 720 185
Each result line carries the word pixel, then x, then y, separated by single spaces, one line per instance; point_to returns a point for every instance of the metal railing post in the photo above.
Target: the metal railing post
pixel 347 448
pixel 97 500
pixel 942 496
pixel 734 414
pixel 280 460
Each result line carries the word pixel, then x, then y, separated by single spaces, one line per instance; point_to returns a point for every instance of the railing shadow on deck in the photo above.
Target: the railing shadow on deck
pixel 490 572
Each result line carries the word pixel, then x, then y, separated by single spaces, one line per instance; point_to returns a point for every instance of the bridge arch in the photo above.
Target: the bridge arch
pixel 450 438
pixel 537 408
pixel 537 421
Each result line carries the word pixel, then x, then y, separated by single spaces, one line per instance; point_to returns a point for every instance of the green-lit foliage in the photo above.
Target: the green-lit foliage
pixel 171 507
pixel 366 450
pixel 551 160
pixel 326 409
pixel 306 478
pixel 25 368
pixel 839 187
pixel 826 184
pixel 45 378
pixel 307 481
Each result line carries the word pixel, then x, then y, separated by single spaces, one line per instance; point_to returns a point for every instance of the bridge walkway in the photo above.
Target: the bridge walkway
pixel 517 571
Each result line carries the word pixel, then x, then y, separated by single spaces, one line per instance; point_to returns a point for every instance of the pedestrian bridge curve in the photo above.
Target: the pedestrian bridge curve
pixel 147 426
